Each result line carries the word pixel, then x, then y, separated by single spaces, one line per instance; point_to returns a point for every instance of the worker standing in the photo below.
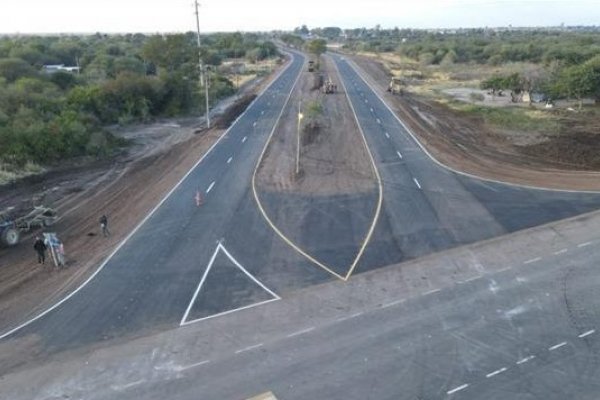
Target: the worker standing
pixel 40 248
pixel 104 225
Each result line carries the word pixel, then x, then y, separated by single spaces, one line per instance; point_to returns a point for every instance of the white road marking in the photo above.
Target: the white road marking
pixel 379 122
pixel 372 110
pixel 504 269
pixel 533 260
pixel 560 252
pixel 355 315
pixel 473 278
pixel 588 333
pixel 262 112
pixel 584 244
pixel 557 346
pixel 399 154
pixel 417 183
pixel 254 123
pixel 303 331
pixel 431 292
pixel 255 346
pixel 496 372
pixel 210 187
pixel 524 360
pixel 393 303
pixel 458 388
pixel 244 139
pixel 387 135
pixel 229 160
pixel 184 367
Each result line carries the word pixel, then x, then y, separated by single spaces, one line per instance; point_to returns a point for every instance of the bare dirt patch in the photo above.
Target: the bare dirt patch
pixel 333 156
pixel 462 141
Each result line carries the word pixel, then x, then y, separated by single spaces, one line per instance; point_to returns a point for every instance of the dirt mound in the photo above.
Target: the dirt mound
pixel 238 107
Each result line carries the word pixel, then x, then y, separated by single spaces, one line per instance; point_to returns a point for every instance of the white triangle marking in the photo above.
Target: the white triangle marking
pixel 222 248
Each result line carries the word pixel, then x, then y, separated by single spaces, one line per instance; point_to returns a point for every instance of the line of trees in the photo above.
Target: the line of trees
pixel 124 78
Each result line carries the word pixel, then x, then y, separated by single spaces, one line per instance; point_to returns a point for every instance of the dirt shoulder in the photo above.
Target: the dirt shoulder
pixel 462 143
pixel 125 189
pixel 333 156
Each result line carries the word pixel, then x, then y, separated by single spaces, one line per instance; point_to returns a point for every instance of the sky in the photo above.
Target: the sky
pixel 148 16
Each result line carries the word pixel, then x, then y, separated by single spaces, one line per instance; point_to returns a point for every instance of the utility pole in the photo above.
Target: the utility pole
pixel 203 76
pixel 300 116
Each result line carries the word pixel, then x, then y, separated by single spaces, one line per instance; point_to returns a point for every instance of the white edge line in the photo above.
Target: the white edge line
pixel 351 63
pixel 138 226
pixel 189 307
pixel 458 388
pixel 588 333
pixel 557 346
pixel 227 312
pixel 303 331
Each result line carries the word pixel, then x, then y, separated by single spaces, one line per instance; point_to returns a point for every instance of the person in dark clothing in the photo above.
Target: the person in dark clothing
pixel 104 226
pixel 40 248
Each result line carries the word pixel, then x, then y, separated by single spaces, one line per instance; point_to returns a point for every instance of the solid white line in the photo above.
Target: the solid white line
pixel 387 135
pixel 557 346
pixel 496 372
pixel 524 360
pixel 393 303
pixel 229 160
pixel 210 187
pixel 249 348
pixel 560 252
pixel 458 388
pixel 160 203
pixel 431 292
pixel 584 244
pixel 417 183
pixel 259 283
pixel 533 260
pixel 189 307
pixel 244 139
pixel 588 333
pixel 399 154
pixel 312 328
pixel 435 160
pixel 260 303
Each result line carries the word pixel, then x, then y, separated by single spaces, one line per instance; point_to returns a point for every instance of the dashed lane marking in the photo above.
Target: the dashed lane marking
pixel 580 245
pixel 302 332
pixel 399 154
pixel 184 367
pixel 387 135
pixel 393 303
pixel 229 160
pixel 431 292
pixel 533 260
pixel 588 333
pixel 557 346
pixel 524 360
pixel 244 139
pixel 379 122
pixel 496 372
pixel 210 187
pixel 254 346
pixel 458 388
pixel 561 251
pixel 417 183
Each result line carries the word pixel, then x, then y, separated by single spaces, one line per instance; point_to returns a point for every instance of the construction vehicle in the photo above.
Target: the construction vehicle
pixel 329 87
pixel 11 228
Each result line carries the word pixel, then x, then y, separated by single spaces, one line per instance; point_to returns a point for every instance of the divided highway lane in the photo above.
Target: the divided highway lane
pixel 150 280
pixel 427 207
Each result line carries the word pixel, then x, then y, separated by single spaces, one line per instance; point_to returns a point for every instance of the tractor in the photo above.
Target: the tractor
pixel 11 228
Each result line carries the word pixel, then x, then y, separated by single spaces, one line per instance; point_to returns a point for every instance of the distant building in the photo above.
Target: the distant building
pixel 51 69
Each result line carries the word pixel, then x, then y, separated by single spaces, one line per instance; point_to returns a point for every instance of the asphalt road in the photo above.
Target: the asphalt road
pixel 428 208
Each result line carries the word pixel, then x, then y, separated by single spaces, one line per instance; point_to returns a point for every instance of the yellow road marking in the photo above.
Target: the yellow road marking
pixel 281 234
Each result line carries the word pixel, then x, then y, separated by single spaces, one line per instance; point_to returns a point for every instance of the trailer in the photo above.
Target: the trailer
pixel 11 227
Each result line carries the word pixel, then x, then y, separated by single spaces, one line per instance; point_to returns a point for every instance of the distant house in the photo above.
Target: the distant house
pixel 51 69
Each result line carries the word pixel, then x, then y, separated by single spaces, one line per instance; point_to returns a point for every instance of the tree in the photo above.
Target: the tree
pixel 317 47
pixel 12 69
